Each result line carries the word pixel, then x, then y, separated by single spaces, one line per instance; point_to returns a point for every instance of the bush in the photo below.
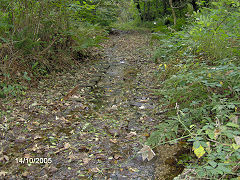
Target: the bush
pixel 39 37
pixel 199 76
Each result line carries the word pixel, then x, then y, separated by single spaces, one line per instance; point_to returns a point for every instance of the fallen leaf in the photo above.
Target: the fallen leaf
pixel 95 170
pixel 146 134
pixel 25 174
pixel 4 159
pixel 72 157
pixel 67 145
pixel 20 139
pixel 37 137
pixel 114 107
pixel 117 156
pixel 3 173
pixel 70 93
pixel 113 141
pixel 83 149
pixel 131 134
pixel 35 147
pixel 147 153
pixel 27 156
pixel 133 169
pixel 101 157
pixel 86 160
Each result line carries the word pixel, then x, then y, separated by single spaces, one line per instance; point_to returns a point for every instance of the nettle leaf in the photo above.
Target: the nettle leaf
pixel 212 163
pixel 196 144
pixel 199 152
pixel 210 133
pixel 230 124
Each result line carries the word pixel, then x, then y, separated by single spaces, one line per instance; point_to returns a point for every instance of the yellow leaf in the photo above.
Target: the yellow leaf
pixel 199 151
pixel 165 66
pixel 235 146
pixel 209 75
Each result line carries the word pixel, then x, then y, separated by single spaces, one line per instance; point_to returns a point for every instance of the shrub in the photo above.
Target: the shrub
pixel 199 75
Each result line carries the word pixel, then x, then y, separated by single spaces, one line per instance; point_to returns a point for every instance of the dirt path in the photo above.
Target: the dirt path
pixel 89 123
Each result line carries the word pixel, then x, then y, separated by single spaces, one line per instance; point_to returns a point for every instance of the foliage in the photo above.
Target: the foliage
pixel 199 75
pixel 39 37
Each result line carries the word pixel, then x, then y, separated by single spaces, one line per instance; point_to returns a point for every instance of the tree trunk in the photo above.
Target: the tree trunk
pixel 173 13
pixel 148 11
pixel 138 8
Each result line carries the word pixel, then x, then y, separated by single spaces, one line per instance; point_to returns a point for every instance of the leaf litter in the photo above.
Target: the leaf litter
pixel 90 122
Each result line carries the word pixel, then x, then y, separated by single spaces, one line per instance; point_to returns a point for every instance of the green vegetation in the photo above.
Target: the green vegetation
pixel 196 52
pixel 39 37
pixel 199 76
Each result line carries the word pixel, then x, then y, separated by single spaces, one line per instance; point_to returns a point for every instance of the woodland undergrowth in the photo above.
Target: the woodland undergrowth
pixel 198 75
pixel 41 37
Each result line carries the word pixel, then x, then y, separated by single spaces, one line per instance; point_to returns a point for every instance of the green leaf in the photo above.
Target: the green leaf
pixel 222 167
pixel 208 167
pixel 230 124
pixel 212 163
pixel 35 65
pixel 26 76
pixel 196 144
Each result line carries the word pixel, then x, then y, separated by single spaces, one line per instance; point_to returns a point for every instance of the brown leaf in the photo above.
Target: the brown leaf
pixel 101 157
pixel 67 145
pixel 133 169
pixel 20 139
pixel 25 174
pixel 86 160
pixel 4 159
pixel 35 147
pixel 83 149
pixel 72 157
pixel 131 134
pixel 117 156
pixel 27 156
pixel 70 93
pixel 3 173
pixel 113 141
pixel 95 170
pixel 37 137
pixel 147 153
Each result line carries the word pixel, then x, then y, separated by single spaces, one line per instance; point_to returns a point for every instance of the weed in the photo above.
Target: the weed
pixel 198 70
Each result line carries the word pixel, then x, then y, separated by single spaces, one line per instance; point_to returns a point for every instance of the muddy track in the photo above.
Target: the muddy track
pixel 96 132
